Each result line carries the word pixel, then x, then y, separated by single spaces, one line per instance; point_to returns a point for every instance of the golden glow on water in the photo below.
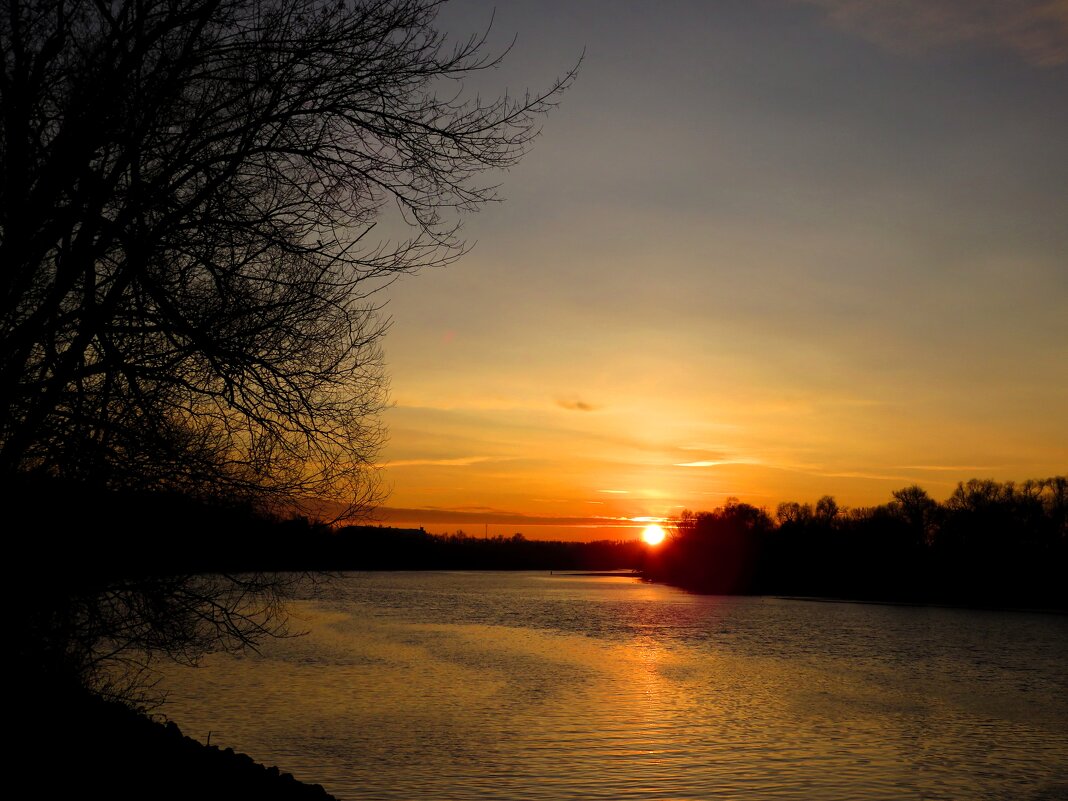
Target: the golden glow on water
pixel 526 686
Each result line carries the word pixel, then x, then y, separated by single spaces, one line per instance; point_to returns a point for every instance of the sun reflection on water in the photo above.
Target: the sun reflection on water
pixel 531 687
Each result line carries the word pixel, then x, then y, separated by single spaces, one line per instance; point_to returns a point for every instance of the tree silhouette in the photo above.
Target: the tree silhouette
pixel 826 509
pixel 188 299
pixel 189 189
pixel 918 510
pixel 990 543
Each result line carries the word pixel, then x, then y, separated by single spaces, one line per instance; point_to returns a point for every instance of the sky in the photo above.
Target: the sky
pixel 771 249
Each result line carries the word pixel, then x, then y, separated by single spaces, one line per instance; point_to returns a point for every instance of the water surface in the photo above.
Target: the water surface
pixel 538 686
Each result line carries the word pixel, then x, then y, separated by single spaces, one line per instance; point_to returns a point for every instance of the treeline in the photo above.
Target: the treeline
pixel 990 543
pixel 381 548
pixel 300 544
pixel 72 537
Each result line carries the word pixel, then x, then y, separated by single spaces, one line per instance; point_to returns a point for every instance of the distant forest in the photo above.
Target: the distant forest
pixel 158 534
pixel 990 543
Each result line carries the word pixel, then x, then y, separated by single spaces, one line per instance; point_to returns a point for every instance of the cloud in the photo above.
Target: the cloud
pixel 574 404
pixel 954 468
pixel 715 459
pixel 1036 30
pixel 460 461
pixel 865 475
pixel 486 515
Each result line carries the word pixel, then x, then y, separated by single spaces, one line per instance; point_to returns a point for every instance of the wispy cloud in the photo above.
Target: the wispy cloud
pixel 865 475
pixel 953 468
pixel 576 404
pixel 717 459
pixel 486 515
pixel 1036 30
pixel 459 461
pixel 706 463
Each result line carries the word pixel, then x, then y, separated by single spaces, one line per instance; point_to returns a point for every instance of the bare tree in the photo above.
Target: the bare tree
pixel 189 186
pixel 188 269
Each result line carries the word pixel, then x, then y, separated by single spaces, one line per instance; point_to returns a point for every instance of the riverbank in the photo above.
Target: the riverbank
pixel 71 745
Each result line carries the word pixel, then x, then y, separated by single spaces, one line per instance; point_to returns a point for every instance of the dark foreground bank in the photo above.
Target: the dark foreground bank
pixel 72 745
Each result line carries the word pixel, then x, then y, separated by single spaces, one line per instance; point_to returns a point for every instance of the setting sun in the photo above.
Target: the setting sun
pixel 653 534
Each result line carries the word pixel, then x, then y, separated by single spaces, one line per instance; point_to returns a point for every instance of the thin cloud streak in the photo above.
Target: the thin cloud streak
pixel 952 468
pixel 713 463
pixel 497 517
pixel 460 461
pixel 1036 30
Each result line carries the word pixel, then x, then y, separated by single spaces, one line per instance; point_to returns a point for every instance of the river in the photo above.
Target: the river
pixel 538 686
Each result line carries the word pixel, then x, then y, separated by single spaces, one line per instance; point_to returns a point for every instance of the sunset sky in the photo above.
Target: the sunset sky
pixel 772 249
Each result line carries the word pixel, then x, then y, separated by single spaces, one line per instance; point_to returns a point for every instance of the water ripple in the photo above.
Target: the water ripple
pixel 524 686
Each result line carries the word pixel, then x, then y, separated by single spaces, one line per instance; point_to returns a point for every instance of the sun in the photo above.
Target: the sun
pixel 653 534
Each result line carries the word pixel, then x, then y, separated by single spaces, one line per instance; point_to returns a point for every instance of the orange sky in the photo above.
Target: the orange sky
pixel 772 249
